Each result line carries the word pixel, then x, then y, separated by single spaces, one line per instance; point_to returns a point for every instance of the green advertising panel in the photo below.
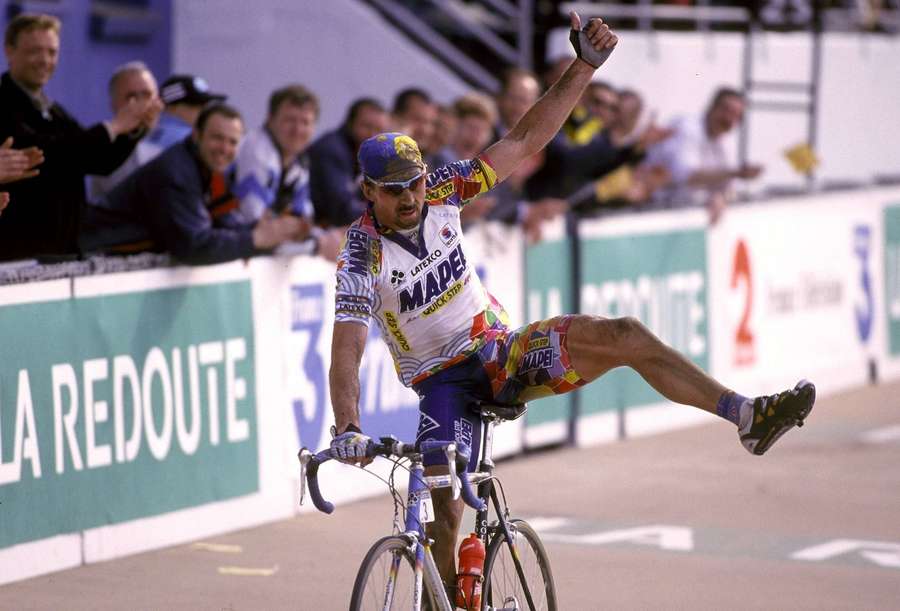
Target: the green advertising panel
pixel 548 293
pixel 124 406
pixel 892 276
pixel 659 278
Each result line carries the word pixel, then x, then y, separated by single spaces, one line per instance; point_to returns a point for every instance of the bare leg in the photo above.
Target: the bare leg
pixel 597 345
pixel 448 514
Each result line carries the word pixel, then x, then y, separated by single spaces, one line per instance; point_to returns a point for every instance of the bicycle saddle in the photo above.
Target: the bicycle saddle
pixel 503 411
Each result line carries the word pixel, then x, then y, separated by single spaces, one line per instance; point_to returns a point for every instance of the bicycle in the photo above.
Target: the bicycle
pixel 397 567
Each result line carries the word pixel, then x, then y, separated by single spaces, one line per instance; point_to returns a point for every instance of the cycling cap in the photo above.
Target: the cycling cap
pixel 389 155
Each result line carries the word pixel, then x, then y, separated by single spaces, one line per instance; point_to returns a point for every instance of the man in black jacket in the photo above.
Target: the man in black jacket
pixel 181 202
pixel 334 175
pixel 44 212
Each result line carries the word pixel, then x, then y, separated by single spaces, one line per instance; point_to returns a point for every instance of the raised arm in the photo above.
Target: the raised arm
pixel 544 119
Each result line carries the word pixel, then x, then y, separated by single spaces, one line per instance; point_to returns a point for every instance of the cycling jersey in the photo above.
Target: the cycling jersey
pixel 425 296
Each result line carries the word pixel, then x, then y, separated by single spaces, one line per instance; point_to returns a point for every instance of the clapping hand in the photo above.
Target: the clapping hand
pixel 270 231
pixel 18 164
pixel 136 116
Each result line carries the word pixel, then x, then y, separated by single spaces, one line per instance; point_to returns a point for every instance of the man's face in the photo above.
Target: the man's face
pixel 444 128
pixel 473 134
pixel 725 115
pixel 630 107
pixel 292 127
pixel 398 211
pixel 218 142
pixel 137 85
pixel 418 122
pixel 32 59
pixel 369 121
pixel 520 95
pixel 603 104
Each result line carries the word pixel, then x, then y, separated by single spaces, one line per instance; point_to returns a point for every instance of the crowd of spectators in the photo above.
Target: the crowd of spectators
pixel 175 169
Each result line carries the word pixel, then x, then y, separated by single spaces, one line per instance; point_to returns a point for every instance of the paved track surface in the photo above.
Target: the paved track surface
pixel 683 520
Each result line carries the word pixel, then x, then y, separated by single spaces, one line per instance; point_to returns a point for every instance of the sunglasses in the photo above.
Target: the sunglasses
pixel 398 187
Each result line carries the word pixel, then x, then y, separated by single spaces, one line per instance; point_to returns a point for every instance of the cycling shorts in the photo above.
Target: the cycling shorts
pixel 511 367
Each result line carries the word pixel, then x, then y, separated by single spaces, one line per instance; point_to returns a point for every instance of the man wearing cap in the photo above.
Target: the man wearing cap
pixel 184 95
pixel 404 265
pixel 45 211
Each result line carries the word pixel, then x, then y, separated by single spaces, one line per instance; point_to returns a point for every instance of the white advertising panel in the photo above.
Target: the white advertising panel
pixel 794 293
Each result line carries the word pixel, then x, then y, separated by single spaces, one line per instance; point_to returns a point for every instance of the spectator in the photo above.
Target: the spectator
pixel 272 168
pixel 476 115
pixel 444 132
pixel 414 114
pixel 180 202
pixel 602 101
pixel 630 184
pixel 588 154
pixel 131 81
pixel 184 95
pixel 17 164
pixel 519 91
pixel 582 125
pixel 334 170
pixel 625 127
pixel 697 160
pixel 46 210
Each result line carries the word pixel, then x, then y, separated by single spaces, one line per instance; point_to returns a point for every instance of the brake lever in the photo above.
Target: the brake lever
pixel 450 451
pixel 304 456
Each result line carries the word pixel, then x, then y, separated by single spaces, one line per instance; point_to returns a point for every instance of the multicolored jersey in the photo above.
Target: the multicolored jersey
pixel 427 299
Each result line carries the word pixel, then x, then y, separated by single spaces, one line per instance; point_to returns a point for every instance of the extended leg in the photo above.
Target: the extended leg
pixel 597 345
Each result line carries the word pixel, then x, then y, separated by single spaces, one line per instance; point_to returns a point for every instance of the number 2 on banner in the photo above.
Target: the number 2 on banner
pixel 744 351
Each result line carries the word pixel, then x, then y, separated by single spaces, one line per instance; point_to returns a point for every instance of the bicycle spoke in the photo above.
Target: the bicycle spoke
pixel 386 580
pixel 505 587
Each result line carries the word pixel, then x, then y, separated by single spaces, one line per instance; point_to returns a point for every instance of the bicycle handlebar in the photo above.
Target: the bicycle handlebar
pixel 458 455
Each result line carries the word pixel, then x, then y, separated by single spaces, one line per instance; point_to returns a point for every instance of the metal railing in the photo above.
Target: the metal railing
pixel 484 22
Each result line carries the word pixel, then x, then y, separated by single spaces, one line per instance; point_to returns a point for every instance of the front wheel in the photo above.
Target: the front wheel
pixel 386 577
pixel 503 585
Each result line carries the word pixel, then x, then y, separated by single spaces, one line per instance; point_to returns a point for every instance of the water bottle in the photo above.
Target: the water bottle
pixel 469 578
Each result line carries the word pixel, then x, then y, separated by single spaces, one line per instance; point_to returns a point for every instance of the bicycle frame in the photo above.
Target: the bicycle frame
pixel 420 487
pixel 418 507
pixel 420 511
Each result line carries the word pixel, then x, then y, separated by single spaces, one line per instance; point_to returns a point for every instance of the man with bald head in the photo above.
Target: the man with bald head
pixel 129 82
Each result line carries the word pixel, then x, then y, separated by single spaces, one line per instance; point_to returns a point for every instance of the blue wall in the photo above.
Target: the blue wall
pixel 86 60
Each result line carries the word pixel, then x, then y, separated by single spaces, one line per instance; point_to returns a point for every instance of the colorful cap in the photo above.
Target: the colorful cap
pixel 387 155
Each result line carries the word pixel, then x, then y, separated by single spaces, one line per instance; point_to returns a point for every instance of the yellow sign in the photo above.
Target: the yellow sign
pixel 802 158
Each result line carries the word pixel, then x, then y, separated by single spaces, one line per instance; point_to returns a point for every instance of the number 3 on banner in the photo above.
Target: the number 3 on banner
pixel 308 380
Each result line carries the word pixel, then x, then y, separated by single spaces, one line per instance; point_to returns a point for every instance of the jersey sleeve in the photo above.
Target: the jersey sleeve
pixel 254 174
pixel 357 271
pixel 459 182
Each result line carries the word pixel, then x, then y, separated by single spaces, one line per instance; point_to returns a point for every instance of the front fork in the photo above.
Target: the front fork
pixel 508 531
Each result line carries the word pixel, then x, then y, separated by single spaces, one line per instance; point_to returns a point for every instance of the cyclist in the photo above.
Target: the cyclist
pixel 404 265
